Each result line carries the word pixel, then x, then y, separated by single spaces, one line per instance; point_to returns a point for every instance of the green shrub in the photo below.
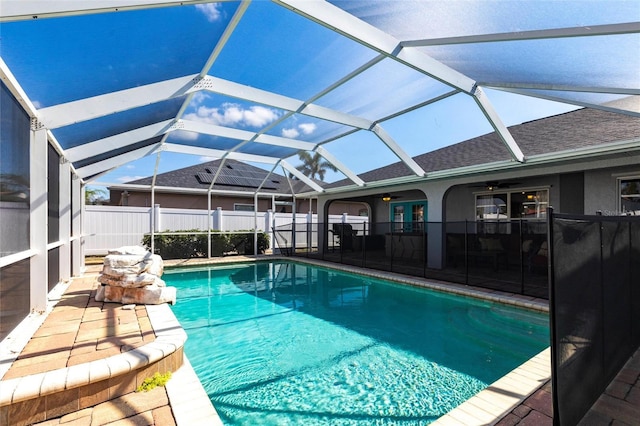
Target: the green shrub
pixel 189 244
pixel 154 381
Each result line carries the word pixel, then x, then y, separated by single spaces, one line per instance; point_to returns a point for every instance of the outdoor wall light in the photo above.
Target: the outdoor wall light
pixel 386 197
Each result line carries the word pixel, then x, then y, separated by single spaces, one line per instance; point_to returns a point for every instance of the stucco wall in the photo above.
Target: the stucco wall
pixel 601 189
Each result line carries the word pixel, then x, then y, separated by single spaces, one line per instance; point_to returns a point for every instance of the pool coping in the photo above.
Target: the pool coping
pixel 493 403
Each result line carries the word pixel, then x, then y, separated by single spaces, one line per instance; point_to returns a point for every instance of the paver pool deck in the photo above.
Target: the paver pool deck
pixel 79 334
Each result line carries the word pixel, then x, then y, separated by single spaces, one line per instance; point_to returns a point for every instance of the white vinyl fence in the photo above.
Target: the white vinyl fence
pixel 108 227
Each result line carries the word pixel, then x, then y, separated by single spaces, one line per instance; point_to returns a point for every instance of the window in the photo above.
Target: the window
pixel 630 196
pixel 243 207
pixel 408 216
pixel 529 204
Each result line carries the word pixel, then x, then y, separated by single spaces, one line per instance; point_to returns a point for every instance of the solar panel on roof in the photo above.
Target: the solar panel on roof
pixel 235 180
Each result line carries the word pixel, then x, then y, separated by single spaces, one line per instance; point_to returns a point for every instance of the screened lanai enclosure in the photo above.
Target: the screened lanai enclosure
pixel 110 91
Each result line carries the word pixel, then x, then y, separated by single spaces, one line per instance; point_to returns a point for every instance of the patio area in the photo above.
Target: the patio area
pixel 55 378
pixel 85 362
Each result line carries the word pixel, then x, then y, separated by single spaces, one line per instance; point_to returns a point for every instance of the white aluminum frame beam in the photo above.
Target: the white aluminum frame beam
pixel 226 35
pixel 297 173
pixel 610 106
pixel 497 124
pixel 340 166
pixel 348 25
pixel 19 10
pixel 98 106
pixel 218 153
pixel 15 88
pixel 590 31
pixel 119 160
pixel 242 135
pixel 121 140
pixel 236 90
pixel 395 148
pixel 561 88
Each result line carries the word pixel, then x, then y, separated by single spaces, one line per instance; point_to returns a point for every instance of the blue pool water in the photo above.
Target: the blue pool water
pixel 283 343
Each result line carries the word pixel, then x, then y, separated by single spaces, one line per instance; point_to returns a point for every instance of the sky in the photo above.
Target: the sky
pixel 426 129
pixel 421 131
pixel 273 50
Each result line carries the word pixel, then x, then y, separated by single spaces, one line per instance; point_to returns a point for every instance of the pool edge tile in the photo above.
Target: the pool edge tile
pixel 192 408
pixel 524 389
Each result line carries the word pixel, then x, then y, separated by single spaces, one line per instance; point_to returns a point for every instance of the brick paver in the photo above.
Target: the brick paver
pixel 618 406
pixel 80 330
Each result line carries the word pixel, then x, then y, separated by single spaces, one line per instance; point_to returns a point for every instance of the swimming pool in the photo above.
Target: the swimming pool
pixel 288 343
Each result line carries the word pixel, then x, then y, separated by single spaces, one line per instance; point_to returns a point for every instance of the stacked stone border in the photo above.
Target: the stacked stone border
pixel 43 396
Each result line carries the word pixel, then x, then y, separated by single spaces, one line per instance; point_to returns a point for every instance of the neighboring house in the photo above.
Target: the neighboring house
pixel 234 190
pixel 561 170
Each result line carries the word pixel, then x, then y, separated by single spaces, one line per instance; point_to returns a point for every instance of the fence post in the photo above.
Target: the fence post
pixel 157 216
pixel 309 228
pixel 269 228
pixel 217 219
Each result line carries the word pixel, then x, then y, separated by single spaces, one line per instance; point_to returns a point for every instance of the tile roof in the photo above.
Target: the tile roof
pixel 576 129
pixel 235 176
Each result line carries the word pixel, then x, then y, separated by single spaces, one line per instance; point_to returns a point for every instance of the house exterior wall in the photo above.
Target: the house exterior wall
pixel 226 202
pixel 601 189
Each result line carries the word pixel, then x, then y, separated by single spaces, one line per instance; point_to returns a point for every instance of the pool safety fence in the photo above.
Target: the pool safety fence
pixel 594 306
pixel 507 255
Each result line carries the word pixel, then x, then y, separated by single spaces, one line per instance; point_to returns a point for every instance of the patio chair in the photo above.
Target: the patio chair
pixel 344 234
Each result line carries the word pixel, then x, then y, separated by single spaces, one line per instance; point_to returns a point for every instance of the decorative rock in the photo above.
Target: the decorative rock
pixel 113 294
pixel 130 280
pixel 100 293
pixel 150 295
pixel 130 250
pixel 131 275
pixel 120 264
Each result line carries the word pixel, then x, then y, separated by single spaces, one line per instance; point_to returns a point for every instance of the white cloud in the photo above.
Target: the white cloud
pixel 230 114
pixel 129 178
pixel 290 133
pixel 210 10
pixel 37 104
pixel 198 98
pixel 130 166
pixel 307 128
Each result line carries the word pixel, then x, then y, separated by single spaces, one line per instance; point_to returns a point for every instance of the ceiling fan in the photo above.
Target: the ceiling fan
pixel 492 185
pixel 386 197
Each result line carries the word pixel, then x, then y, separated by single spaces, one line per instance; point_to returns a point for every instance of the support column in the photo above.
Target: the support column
pixel 77 241
pixel 436 235
pixel 38 216
pixel 65 221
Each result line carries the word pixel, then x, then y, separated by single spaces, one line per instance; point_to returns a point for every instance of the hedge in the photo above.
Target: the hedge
pixel 193 243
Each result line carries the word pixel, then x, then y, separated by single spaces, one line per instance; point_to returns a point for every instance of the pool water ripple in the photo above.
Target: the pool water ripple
pixel 284 343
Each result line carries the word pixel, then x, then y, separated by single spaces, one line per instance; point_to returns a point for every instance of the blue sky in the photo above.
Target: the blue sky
pixel 434 127
pixel 271 49
pixel 453 120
